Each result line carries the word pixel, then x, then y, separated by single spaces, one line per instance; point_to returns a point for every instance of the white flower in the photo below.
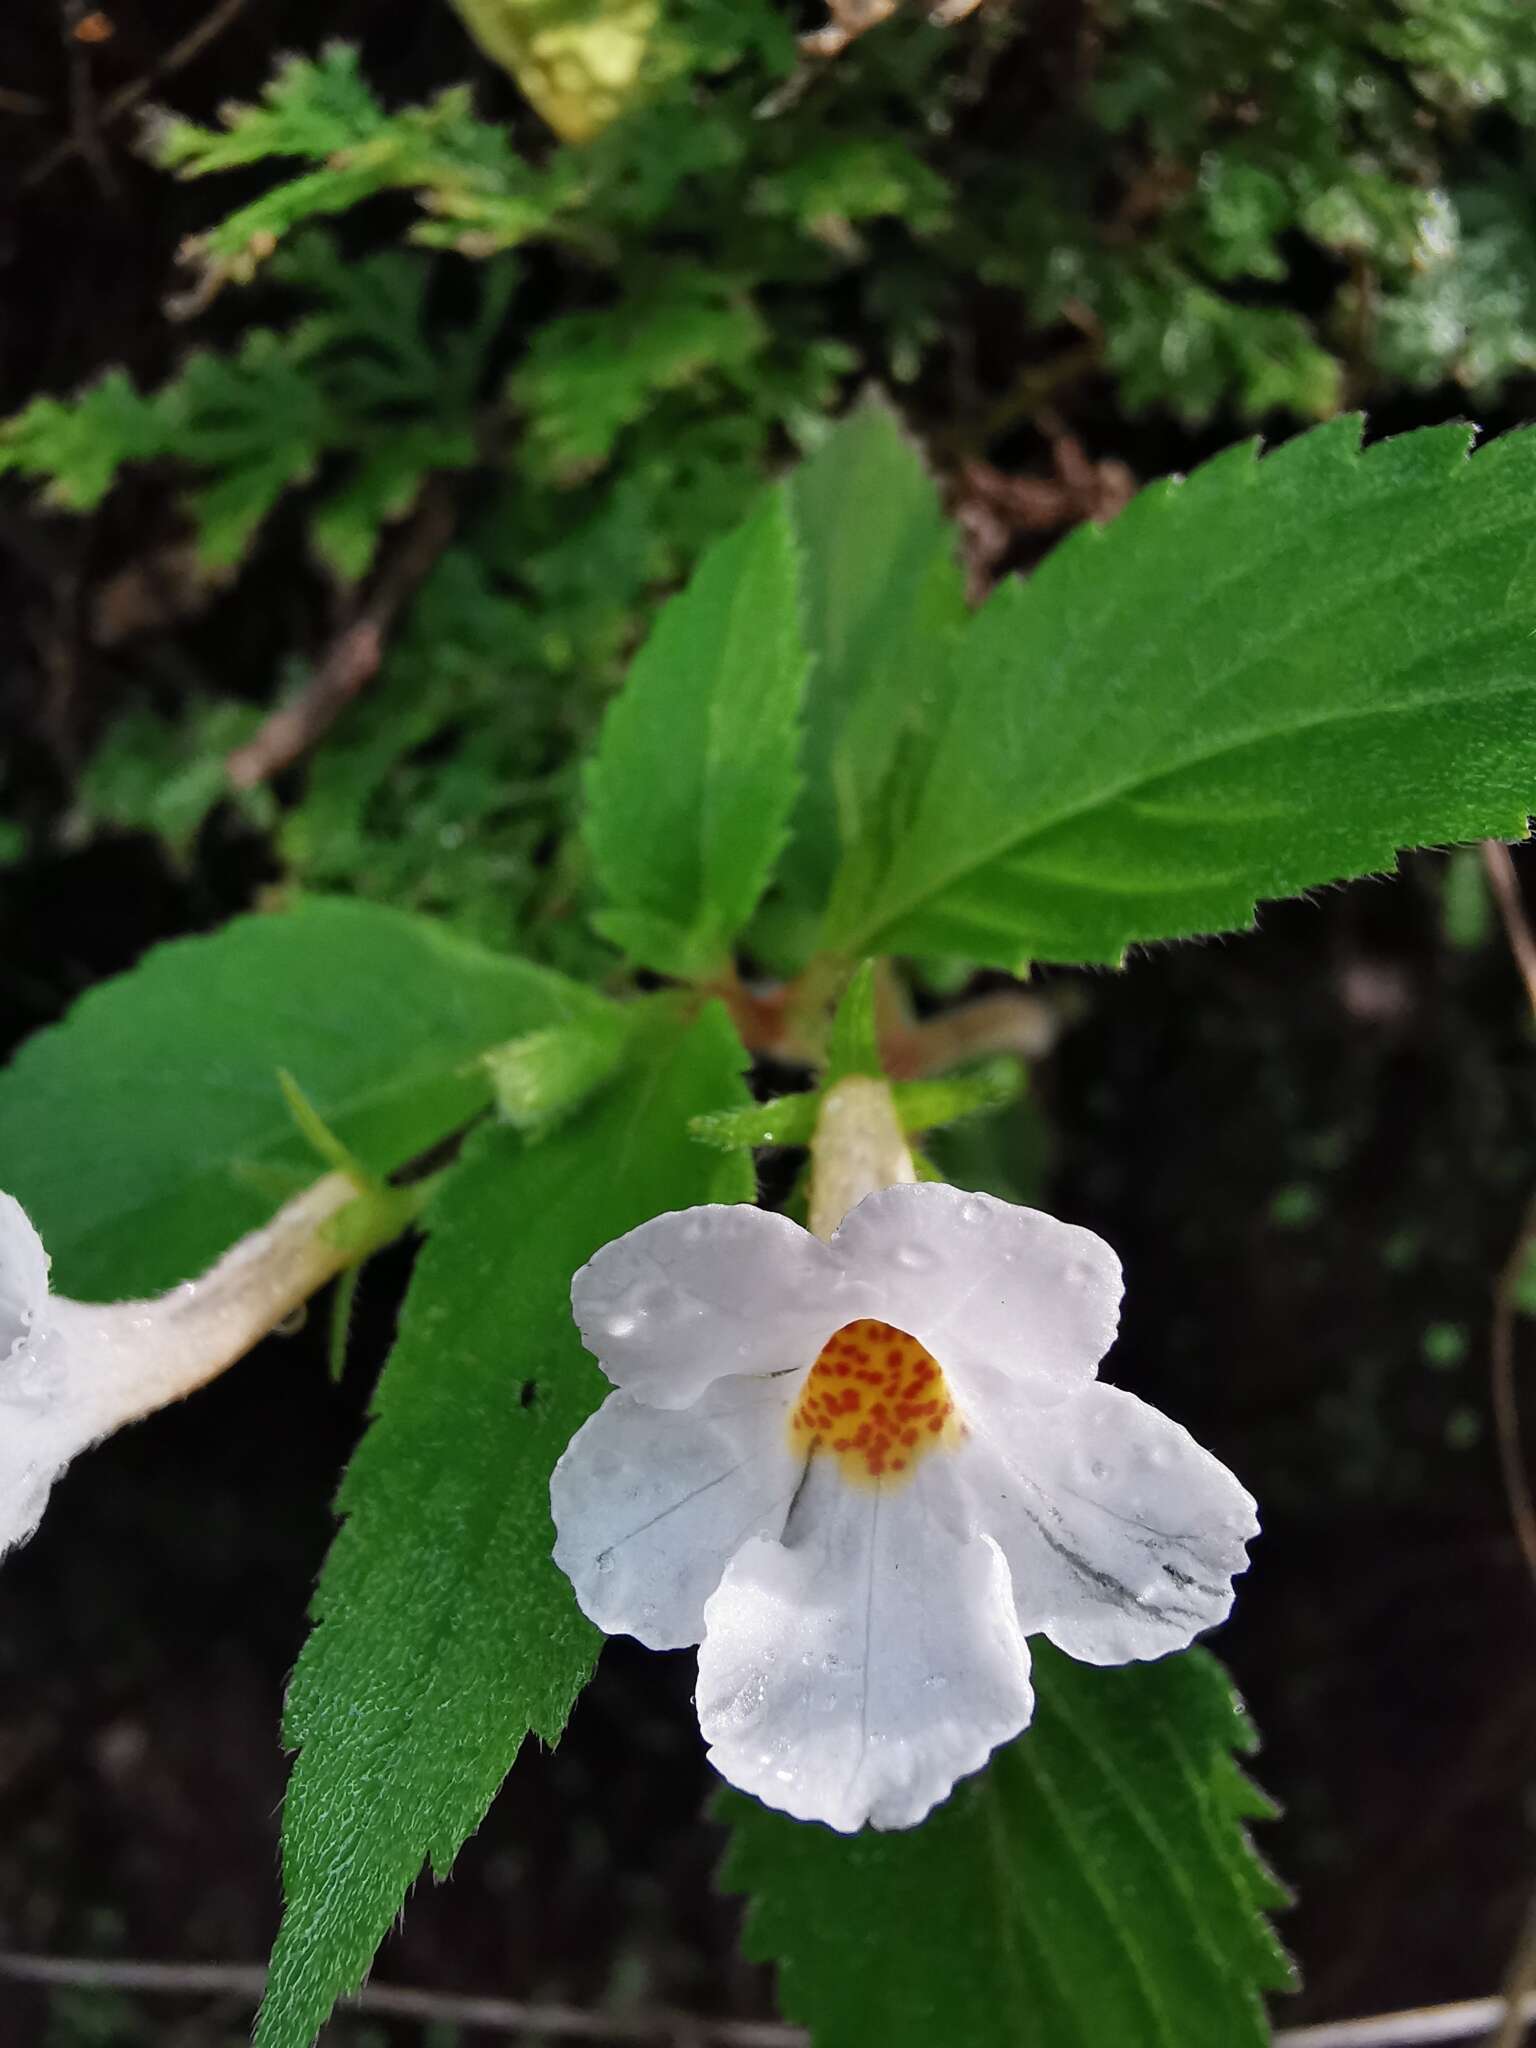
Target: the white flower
pixel 860 1473
pixel 71 1372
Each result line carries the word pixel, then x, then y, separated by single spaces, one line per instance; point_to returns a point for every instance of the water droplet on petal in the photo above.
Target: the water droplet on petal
pixel 935 1682
pixel 970 1212
pixel 605 1560
pixel 620 1326
pixel 916 1258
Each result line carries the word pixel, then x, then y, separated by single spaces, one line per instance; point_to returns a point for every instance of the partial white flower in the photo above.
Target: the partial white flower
pixel 71 1372
pixel 859 1473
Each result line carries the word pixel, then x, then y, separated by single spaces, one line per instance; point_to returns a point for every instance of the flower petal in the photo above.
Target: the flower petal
pixel 40 1431
pixel 853 1671
pixel 651 1504
pixel 23 1278
pixel 78 1375
pixel 987 1286
pixel 702 1293
pixel 1121 1533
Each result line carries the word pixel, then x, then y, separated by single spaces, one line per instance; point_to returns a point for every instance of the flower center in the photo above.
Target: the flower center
pixel 877 1400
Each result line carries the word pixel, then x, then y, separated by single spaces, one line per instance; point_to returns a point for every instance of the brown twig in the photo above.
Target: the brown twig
pixel 1506 1407
pixel 1463 2021
pixel 1505 884
pixel 1006 1021
pixel 1519 1983
pixel 127 97
pixel 783 1022
pixel 248 1981
pixel 353 657
pixel 85 137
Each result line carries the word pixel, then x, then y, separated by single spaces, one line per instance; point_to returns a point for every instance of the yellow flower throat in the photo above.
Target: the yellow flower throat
pixel 877 1401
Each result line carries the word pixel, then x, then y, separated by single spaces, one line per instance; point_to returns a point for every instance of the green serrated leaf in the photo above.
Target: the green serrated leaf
pixel 853 1044
pixel 883 590
pixel 689 795
pixel 1094 1884
pixel 444 1633
pixel 144 1134
pixel 1275 674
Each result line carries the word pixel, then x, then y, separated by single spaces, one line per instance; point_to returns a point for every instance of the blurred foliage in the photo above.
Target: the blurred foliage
pixel 1259 209
pixel 357 382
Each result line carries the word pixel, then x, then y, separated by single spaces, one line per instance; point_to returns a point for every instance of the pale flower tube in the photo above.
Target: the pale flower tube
pixel 72 1372
pixel 860 1473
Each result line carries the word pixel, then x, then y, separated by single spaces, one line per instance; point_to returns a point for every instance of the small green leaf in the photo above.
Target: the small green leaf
pixel 853 1045
pixel 1272 675
pixel 444 1633
pixel 148 1131
pixel 883 591
pixel 1094 1884
pixel 689 795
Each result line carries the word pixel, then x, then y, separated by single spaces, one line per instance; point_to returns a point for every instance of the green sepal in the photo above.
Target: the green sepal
pixel 787 1120
pixel 853 1045
pixel 924 1105
pixel 921 1105
pixel 343 1300
pixel 317 1133
pixel 544 1076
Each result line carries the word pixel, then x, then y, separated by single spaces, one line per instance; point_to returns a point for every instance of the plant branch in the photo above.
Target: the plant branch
pixel 127 97
pixel 247 1982
pixel 1506 1406
pixel 1519 1983
pixel 779 1022
pixel 1505 884
pixel 352 660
